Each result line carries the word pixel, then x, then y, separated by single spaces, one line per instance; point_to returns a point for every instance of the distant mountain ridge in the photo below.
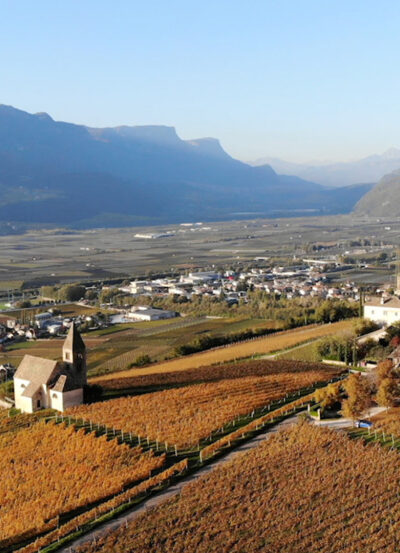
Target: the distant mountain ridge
pixel 369 169
pixel 62 173
pixel 383 200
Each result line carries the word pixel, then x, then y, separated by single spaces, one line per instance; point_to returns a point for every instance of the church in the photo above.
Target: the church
pixel 45 384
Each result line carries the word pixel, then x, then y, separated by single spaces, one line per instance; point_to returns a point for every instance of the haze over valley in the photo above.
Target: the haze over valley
pixel 67 174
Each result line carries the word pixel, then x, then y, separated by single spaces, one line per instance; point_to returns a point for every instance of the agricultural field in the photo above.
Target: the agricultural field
pixel 258 346
pixel 31 259
pixel 305 352
pixel 66 309
pixel 11 424
pixel 187 415
pixel 228 371
pixel 388 421
pixel 114 348
pixel 159 341
pixel 303 490
pixel 70 470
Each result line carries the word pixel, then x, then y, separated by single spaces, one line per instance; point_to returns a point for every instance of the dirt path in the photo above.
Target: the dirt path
pixel 277 353
pixel 173 490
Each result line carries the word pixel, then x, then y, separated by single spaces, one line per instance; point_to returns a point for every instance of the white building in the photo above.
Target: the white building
pixel 382 311
pixel 42 383
pixel 144 313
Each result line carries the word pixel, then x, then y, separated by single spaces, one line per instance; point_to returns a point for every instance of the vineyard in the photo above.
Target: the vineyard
pixel 304 490
pixel 274 342
pixel 388 421
pixel 240 369
pixel 13 424
pixel 158 341
pixel 49 471
pixel 187 415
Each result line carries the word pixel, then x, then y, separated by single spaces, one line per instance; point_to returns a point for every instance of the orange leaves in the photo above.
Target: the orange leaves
pixel 266 344
pixel 303 490
pixel 49 470
pixel 186 415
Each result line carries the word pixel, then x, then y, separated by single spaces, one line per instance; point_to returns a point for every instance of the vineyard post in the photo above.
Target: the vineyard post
pixel 139 440
pixel 176 451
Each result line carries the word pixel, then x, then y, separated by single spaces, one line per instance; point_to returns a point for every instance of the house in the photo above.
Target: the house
pixel 43 383
pixel 384 310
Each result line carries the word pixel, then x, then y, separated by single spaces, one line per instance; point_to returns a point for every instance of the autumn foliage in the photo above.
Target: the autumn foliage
pixel 49 470
pixel 388 421
pixel 213 373
pixel 304 490
pixel 186 415
pixel 267 344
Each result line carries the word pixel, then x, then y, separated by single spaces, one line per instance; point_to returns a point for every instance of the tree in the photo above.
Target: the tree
pixel 387 392
pixel 71 292
pixel 23 304
pixel 365 326
pixel 358 399
pixel 384 370
pixel 330 395
pixel 91 295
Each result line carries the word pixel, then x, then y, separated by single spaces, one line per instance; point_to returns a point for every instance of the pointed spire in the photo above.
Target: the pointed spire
pixel 74 340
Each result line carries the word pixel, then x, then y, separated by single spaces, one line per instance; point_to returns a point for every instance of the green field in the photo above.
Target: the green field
pixel 305 352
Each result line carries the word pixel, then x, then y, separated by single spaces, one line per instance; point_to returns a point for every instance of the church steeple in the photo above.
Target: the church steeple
pixel 74 353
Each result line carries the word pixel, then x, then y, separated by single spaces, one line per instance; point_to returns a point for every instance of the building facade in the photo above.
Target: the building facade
pixel 383 311
pixel 42 383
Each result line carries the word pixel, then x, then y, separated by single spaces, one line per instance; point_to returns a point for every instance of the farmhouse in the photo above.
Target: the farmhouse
pixel 43 383
pixel 382 310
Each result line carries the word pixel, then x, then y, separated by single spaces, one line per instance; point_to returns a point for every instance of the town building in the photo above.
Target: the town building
pixel 42 383
pixel 144 313
pixel 382 310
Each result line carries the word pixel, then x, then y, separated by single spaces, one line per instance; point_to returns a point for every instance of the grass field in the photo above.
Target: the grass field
pixel 306 352
pixel 264 345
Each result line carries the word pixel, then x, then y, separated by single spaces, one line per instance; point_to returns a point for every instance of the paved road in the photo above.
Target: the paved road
pixel 175 489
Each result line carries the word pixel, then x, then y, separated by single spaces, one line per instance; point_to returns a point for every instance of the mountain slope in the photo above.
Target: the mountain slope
pixel 384 199
pixel 369 169
pixel 56 172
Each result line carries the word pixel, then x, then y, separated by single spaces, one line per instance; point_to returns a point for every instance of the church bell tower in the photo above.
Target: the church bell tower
pixel 74 354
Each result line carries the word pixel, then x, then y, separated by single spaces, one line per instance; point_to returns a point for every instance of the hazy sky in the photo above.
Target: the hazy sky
pixel 298 79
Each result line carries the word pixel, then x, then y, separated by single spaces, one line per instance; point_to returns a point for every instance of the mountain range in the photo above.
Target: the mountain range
pixel 383 200
pixel 369 169
pixel 67 174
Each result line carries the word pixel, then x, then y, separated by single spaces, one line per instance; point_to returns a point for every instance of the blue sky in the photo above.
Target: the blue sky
pixel 297 79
